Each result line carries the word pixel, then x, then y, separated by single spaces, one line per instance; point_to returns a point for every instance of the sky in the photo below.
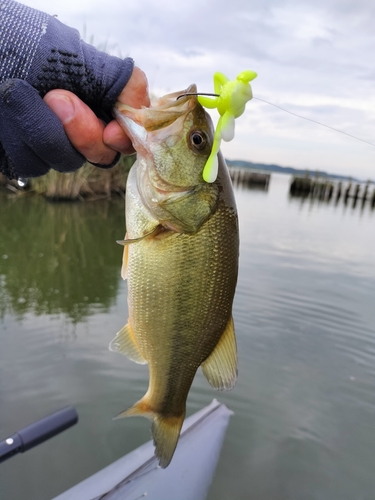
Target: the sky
pixel 314 59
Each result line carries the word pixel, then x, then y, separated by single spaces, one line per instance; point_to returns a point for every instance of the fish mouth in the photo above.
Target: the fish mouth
pixel 175 99
pixel 163 112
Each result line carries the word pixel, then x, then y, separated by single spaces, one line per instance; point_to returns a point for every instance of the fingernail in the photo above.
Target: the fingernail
pixel 61 105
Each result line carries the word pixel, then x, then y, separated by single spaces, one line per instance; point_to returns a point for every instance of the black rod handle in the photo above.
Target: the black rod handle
pixel 38 432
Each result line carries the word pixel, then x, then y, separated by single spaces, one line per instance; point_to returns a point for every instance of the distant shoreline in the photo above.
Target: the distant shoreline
pixel 288 170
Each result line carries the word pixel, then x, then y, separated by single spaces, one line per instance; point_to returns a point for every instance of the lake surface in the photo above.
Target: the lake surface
pixel 304 423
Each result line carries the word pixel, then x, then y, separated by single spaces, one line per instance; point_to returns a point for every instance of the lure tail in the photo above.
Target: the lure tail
pixel 165 429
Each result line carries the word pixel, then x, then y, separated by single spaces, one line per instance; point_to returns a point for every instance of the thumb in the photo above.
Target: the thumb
pixel 31 134
pixel 83 128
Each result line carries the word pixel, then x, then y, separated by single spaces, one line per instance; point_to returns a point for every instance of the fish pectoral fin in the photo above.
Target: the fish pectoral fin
pixel 124 342
pixel 220 368
pixel 124 268
pixel 126 242
pixel 165 429
pixel 129 241
pixel 125 256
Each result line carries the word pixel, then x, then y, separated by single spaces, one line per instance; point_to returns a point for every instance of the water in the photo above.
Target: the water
pixel 304 424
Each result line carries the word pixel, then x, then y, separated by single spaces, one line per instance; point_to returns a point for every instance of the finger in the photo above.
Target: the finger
pixel 81 125
pixel 115 137
pixel 135 93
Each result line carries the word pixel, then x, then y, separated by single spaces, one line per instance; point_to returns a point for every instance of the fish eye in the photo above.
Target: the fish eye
pixel 198 139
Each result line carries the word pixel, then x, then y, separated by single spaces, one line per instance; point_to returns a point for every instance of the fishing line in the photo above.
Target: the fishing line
pixel 314 121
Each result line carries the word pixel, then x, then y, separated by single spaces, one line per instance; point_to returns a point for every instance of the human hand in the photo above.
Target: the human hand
pixel 98 142
pixel 33 139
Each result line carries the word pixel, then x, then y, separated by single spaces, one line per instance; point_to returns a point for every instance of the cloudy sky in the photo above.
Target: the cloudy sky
pixel 315 59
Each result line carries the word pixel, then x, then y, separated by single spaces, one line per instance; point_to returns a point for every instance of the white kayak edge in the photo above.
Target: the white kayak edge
pixel 188 477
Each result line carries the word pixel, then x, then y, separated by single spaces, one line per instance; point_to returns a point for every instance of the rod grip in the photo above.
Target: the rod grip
pixel 38 432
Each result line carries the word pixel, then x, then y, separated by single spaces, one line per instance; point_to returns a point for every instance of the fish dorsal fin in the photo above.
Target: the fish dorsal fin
pixel 220 368
pixel 124 343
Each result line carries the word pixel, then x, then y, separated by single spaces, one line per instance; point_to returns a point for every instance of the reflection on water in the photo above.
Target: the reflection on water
pixel 362 205
pixel 304 423
pixel 58 258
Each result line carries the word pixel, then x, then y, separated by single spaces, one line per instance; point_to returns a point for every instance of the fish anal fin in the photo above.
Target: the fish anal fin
pixel 141 408
pixel 220 368
pixel 124 342
pixel 165 429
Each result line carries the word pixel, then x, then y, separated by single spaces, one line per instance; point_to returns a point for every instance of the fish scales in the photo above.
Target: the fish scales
pixel 188 314
pixel 181 262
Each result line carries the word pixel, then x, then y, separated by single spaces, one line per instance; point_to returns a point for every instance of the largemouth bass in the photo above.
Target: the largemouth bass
pixel 180 260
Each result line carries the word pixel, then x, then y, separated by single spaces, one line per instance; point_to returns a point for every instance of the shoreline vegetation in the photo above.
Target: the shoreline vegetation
pixel 93 183
pixel 87 183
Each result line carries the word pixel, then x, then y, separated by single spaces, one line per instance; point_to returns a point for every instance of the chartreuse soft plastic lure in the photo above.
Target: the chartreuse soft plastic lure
pixel 230 102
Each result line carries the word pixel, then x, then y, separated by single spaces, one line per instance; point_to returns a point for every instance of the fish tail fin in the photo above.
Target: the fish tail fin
pixel 165 429
pixel 166 432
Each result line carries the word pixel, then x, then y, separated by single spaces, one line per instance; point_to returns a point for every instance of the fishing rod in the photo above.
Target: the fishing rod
pixel 38 432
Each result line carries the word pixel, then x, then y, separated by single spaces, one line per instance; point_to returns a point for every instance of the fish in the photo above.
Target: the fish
pixel 180 260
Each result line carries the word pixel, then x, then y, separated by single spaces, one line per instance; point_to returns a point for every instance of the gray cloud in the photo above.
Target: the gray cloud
pixel 313 58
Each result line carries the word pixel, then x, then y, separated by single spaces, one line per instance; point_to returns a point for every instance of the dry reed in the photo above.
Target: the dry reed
pixel 87 182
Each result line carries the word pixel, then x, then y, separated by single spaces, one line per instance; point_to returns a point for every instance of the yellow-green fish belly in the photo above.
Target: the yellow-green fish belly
pixel 181 289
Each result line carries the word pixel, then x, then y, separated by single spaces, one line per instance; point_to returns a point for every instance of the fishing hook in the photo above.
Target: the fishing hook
pixel 197 93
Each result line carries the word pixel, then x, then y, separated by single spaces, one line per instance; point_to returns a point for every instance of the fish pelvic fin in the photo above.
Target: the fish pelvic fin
pixel 165 429
pixel 220 368
pixel 125 343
